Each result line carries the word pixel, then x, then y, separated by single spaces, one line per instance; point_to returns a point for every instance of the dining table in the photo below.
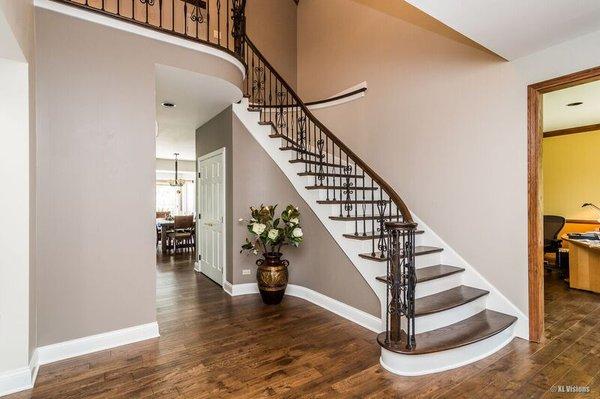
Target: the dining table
pixel 164 225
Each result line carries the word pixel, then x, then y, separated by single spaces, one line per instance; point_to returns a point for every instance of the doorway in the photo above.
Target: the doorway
pixel 210 224
pixel 535 195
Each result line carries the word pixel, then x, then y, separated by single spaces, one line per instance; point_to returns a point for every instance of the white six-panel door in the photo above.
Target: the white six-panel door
pixel 210 228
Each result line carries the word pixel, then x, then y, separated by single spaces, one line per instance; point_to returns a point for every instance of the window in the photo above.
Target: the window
pixel 177 200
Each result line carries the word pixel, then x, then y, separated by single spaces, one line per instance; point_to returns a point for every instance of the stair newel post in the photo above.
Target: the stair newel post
pixel 394 281
pixel 401 282
pixel 238 11
pixel 411 282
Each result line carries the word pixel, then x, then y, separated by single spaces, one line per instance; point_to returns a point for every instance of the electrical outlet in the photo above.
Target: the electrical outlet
pixel 246 272
pixel 217 34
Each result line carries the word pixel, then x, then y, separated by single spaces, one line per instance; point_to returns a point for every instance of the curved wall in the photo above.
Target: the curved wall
pixel 96 173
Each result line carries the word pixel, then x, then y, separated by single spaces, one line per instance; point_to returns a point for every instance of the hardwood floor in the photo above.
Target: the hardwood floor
pixel 215 346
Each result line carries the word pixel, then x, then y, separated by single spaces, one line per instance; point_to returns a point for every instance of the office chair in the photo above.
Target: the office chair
pixel 552 226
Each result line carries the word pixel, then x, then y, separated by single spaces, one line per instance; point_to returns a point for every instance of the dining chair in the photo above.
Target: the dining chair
pixel 183 231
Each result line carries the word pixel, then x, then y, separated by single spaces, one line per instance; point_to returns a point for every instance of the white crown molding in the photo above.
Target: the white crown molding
pixel 346 311
pixel 20 379
pixel 138 30
pixel 94 343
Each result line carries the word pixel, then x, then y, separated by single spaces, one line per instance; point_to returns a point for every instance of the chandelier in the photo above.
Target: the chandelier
pixel 177 182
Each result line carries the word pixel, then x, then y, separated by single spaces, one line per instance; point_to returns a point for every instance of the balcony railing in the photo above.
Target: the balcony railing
pixel 217 23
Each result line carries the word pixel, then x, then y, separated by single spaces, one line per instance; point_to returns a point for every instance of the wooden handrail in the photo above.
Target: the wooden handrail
pixel 394 197
pixel 318 102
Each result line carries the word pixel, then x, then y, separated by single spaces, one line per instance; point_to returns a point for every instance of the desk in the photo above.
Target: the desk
pixel 584 264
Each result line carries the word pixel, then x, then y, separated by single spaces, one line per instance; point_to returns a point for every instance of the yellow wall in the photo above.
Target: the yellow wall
pixel 571 167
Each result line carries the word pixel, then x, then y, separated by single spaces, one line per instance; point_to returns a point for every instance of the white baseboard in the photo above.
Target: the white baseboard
pixel 348 312
pixel 94 343
pixel 228 287
pixel 20 379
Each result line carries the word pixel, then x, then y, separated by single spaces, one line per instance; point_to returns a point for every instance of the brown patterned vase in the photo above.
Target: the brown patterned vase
pixel 272 277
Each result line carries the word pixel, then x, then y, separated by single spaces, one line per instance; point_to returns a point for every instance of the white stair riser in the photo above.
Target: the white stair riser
pixel 450 316
pixel 438 285
pixel 411 365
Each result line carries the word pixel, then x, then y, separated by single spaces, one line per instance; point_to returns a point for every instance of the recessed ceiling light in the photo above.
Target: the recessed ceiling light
pixel 168 104
pixel 576 103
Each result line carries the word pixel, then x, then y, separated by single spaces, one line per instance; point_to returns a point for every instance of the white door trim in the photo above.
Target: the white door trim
pixel 221 151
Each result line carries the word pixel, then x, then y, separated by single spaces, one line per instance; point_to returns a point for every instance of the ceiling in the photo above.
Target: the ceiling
pixel 515 28
pixel 198 99
pixel 558 116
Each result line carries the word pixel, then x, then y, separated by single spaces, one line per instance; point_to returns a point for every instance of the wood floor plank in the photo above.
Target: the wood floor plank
pixel 216 346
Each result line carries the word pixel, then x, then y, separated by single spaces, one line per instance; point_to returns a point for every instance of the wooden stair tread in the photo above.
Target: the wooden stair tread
pixel 419 250
pixel 340 188
pixel 277 135
pixel 335 202
pixel 476 328
pixel 301 151
pixel 448 299
pixel 366 217
pixel 312 162
pixel 431 273
pixel 330 175
pixel 369 235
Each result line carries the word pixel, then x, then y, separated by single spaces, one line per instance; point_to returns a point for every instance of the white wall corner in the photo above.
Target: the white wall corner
pixel 94 343
pixel 20 379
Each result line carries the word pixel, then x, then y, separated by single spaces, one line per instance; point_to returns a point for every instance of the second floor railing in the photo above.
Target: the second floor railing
pixel 217 23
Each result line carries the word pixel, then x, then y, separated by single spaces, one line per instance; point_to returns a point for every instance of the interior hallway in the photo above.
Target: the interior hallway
pixel 215 346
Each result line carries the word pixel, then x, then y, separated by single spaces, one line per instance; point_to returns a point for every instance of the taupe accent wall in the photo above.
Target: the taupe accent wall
pixel 442 121
pixel 271 24
pixel 211 136
pixel 254 178
pixel 96 173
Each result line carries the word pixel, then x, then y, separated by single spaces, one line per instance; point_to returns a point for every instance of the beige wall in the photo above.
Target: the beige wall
pixel 271 24
pixel 96 173
pixel 17 171
pixel 443 122
pixel 572 175
pixel 253 178
pixel 319 263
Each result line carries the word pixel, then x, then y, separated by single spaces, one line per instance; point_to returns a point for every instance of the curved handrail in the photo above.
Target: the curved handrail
pixel 394 197
pixel 225 44
pixel 323 101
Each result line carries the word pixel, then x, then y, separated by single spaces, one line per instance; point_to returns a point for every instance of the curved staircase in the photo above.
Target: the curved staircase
pixel 443 309
pixel 437 311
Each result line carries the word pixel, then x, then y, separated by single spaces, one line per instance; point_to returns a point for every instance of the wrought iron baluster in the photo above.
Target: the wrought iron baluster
pixel 348 191
pixel 381 244
pixel 401 278
pixel 320 173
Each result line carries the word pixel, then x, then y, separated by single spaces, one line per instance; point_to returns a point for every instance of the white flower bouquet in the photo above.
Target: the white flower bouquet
pixel 269 234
